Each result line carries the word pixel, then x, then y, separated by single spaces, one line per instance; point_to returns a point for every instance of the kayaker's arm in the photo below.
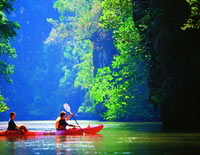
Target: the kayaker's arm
pixel 72 125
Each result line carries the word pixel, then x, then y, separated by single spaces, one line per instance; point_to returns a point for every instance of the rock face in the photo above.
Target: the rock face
pixel 175 65
pixel 103 50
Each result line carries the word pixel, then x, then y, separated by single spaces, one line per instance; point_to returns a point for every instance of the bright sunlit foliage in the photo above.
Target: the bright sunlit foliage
pixel 118 87
pixel 119 90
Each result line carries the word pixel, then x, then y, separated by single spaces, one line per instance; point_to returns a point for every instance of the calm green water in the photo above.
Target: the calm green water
pixel 115 138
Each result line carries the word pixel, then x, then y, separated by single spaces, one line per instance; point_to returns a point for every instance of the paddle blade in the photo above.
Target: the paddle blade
pixel 67 107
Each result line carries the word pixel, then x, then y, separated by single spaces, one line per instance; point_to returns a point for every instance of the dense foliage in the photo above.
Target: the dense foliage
pixel 119 89
pixel 108 57
pixel 174 66
pixel 194 18
pixel 72 32
pixel 7 31
pixel 122 87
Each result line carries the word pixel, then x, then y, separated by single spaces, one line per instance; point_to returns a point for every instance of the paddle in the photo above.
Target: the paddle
pixel 68 109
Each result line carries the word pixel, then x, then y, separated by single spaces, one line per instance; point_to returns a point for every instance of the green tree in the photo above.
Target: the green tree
pixel 194 18
pixel 115 91
pixel 117 87
pixel 7 31
pixel 78 22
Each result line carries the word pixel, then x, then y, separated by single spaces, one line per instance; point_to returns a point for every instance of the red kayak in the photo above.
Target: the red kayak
pixel 71 131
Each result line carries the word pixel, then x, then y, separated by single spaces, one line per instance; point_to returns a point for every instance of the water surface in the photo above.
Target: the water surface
pixel 116 138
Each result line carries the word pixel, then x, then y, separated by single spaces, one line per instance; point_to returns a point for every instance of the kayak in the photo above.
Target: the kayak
pixel 72 131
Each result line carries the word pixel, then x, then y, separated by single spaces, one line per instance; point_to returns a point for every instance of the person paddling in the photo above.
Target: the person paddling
pixel 61 121
pixel 13 126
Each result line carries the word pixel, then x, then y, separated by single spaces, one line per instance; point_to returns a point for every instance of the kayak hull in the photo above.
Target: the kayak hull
pixel 71 131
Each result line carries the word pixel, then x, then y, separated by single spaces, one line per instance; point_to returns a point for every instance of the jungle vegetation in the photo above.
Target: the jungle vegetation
pixel 7 31
pixel 127 60
pixel 117 89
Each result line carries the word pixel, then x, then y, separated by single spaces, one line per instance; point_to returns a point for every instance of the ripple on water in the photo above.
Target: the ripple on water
pixel 116 138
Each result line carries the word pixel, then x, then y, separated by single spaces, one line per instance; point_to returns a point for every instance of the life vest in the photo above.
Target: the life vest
pixel 58 119
pixel 57 122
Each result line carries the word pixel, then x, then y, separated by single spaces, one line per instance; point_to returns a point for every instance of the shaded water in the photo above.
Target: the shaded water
pixel 115 138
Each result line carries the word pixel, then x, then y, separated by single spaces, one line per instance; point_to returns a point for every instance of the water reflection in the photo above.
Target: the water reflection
pixel 78 144
pixel 116 138
pixel 59 144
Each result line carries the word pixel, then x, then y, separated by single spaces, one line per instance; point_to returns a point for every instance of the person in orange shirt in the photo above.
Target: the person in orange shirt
pixel 61 121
